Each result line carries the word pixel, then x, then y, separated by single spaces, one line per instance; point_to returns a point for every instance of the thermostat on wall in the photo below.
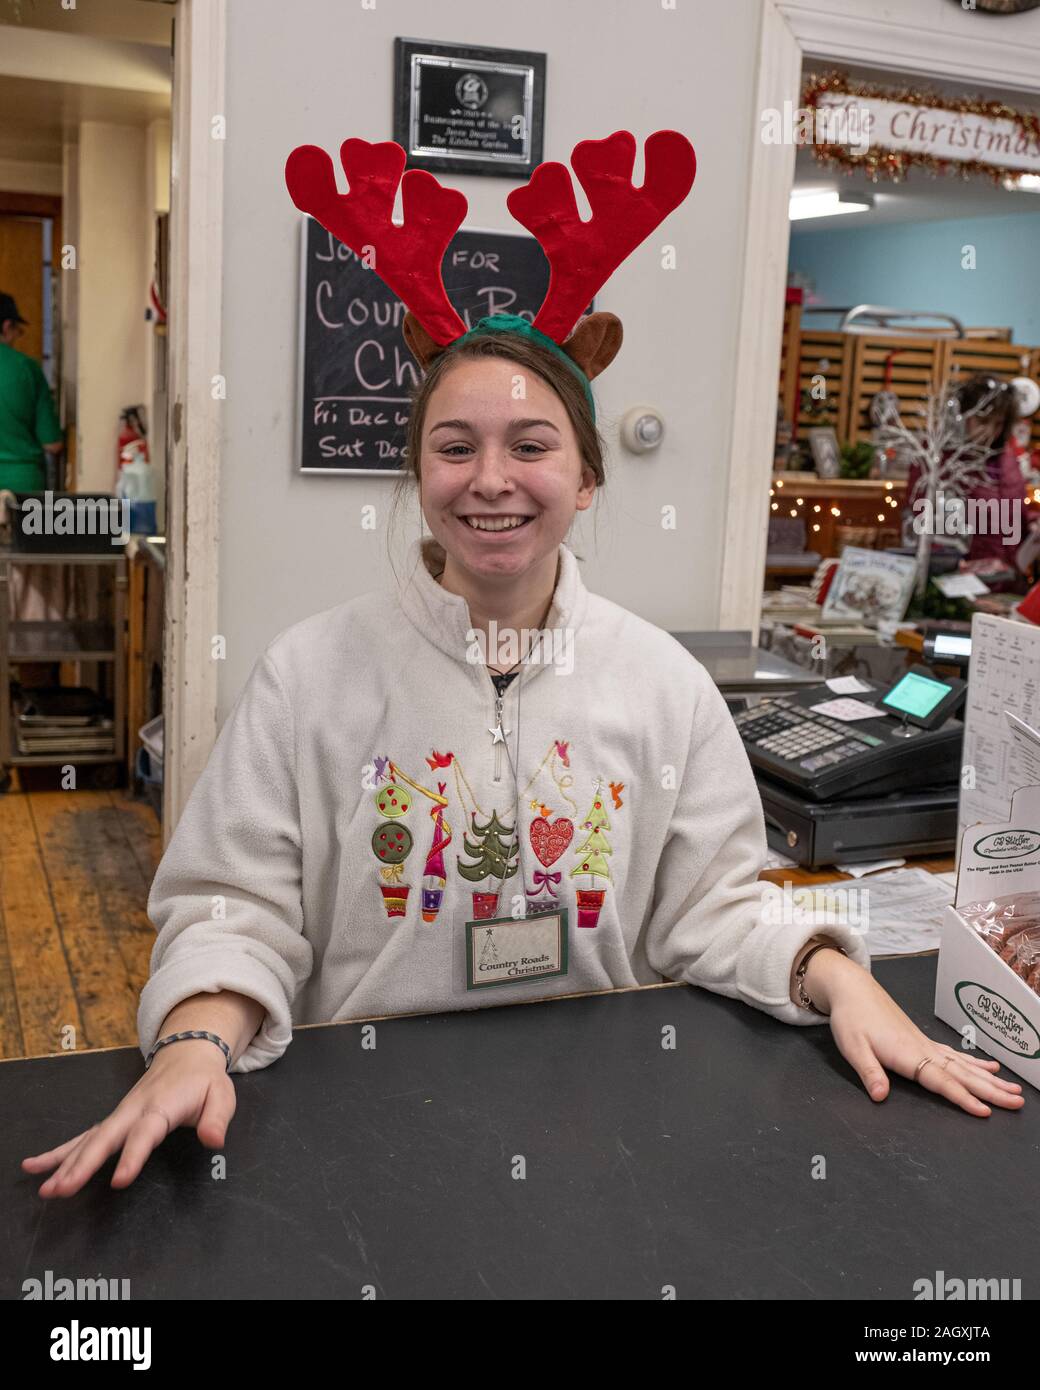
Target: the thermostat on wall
pixel 642 429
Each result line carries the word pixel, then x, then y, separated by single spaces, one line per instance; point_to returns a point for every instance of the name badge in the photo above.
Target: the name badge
pixel 512 951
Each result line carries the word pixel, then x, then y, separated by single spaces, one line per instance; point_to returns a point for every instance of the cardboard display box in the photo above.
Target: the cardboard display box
pixel 974 987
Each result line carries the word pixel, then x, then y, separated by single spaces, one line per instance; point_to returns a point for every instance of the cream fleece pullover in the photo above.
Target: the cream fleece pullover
pixel 357 810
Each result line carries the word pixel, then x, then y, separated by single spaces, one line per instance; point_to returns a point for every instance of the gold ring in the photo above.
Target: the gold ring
pixel 921 1065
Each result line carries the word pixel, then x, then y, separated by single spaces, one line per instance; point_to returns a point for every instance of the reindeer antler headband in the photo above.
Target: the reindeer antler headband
pixel 582 256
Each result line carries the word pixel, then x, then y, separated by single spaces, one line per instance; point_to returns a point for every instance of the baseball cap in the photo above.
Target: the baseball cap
pixel 9 309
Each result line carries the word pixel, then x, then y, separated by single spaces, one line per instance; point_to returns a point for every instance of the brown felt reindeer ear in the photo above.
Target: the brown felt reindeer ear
pixel 595 342
pixel 420 344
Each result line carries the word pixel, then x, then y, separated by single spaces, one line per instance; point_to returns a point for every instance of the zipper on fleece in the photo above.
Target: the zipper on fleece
pixel 497 723
pixel 498 718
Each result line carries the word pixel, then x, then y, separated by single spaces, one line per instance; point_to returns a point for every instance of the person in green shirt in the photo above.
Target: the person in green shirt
pixel 28 421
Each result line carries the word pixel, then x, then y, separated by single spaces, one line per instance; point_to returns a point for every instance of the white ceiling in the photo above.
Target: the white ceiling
pixel 37 115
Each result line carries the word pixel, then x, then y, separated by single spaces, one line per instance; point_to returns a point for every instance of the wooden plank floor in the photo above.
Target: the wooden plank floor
pixel 75 940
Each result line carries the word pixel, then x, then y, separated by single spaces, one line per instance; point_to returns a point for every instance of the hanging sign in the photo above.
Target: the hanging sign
pixel 901 128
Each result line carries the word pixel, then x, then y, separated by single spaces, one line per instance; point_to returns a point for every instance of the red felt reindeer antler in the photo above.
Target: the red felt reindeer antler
pixel 408 256
pixel 583 255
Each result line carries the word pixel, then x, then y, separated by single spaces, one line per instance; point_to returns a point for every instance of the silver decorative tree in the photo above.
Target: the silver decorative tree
pixel 950 462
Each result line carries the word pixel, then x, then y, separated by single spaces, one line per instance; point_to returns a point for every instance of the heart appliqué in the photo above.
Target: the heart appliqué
pixel 549 841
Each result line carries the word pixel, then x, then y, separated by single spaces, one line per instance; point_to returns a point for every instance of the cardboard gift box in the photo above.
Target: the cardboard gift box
pixel 999 867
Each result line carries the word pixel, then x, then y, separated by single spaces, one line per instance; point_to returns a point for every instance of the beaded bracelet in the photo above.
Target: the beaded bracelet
pixel 181 1037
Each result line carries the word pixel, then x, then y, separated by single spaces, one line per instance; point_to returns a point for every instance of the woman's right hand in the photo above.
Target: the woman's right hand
pixel 187 1084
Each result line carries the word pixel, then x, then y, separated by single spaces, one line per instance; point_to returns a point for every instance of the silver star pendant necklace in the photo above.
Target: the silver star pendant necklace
pixel 498 732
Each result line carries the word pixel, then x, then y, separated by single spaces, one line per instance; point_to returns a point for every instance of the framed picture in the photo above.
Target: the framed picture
pixel 464 109
pixel 825 452
pixel 871 585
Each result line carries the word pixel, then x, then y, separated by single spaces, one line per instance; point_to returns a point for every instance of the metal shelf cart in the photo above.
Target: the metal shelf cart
pixel 64 640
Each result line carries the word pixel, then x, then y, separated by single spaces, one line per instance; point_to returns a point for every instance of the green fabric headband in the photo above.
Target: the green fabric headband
pixel 513 323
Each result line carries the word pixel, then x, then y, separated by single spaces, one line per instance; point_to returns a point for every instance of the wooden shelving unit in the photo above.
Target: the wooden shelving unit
pixel 859 502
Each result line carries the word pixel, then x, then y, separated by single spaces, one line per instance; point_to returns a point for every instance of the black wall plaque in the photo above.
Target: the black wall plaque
pixel 467 110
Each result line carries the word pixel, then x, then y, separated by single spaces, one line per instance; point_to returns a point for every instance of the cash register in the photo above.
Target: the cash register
pixel 852 779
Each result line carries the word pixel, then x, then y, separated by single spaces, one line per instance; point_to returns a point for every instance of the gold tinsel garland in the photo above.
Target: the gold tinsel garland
pixel 896 164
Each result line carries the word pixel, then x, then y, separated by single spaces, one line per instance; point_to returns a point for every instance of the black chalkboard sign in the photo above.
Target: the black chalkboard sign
pixel 355 368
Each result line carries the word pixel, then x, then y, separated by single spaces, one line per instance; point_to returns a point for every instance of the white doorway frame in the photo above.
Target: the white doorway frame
pixel 194 427
pixel 968 48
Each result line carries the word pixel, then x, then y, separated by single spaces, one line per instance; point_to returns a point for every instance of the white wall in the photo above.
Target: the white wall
pixel 292 545
pixel 112 284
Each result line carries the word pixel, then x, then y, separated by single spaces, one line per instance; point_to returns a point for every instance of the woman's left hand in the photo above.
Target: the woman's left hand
pixel 873 1032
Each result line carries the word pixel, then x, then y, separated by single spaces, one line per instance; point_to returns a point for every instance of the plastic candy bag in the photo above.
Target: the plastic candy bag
pixel 1010 926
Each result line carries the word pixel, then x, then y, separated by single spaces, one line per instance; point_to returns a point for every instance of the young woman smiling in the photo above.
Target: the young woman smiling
pixel 378 831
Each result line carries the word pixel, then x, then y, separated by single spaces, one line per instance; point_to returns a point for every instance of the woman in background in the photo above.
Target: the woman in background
pixel 989 408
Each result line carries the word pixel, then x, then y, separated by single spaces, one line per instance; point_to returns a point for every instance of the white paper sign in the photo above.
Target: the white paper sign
pixel 847 710
pixel 1027 742
pixel 960 585
pixel 1005 662
pixel 898 913
pixel 848 685
pixel 875 866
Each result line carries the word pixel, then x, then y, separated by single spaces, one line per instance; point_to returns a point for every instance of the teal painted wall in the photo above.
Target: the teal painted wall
pixel 918 266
